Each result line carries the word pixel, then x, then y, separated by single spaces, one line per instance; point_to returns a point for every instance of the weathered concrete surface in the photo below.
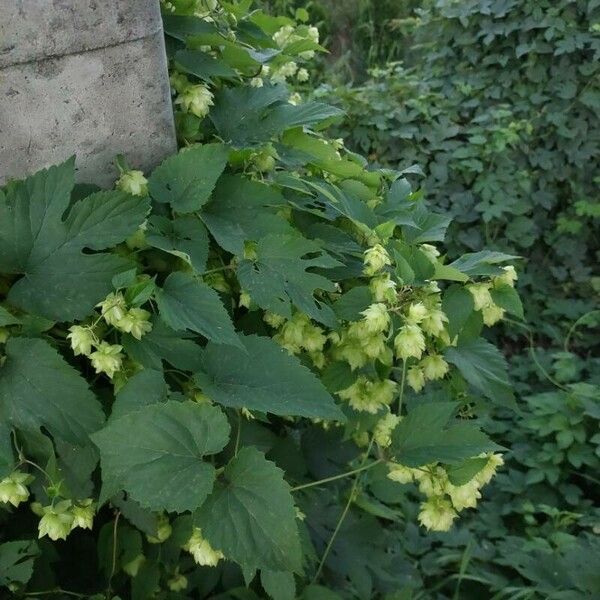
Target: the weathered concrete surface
pixel 37 29
pixel 96 96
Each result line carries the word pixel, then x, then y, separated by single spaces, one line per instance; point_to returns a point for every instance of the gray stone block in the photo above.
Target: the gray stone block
pixel 38 29
pixel 96 104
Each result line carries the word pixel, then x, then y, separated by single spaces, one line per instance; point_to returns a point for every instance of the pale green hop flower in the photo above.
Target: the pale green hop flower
pixel 400 474
pixel 107 358
pixel 375 259
pixel 196 99
pixel 487 473
pixel 417 311
pixel 437 514
pixel 382 433
pixel 481 295
pixel 283 35
pixel 273 319
pixel 434 367
pixel 431 251
pixel 133 566
pixel 204 554
pixel 83 514
pixel 136 322
pixel 82 340
pixel 13 489
pixel 163 530
pixel 113 308
pixel 434 322
pixel 57 521
pixel 508 277
pixel 302 75
pixel 133 182
pixel 376 318
pixel 416 378
pixel 409 342
pixel 383 288
pixel 492 314
pixel 178 582
pixel 464 496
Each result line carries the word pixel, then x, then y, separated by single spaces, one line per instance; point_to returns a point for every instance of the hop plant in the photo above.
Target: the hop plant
pixel 13 489
pixel 376 318
pixel 133 182
pixel 107 358
pixel 410 342
pixel 375 259
pixel 57 521
pixel 113 308
pixel 82 340
pixel 369 396
pixel 83 514
pixel 434 367
pixel 204 554
pixel 437 514
pixel 136 322
pixel 196 99
pixel 163 530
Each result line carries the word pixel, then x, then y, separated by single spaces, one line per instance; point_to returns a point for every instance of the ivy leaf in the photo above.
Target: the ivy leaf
pixel 184 237
pixel 143 389
pixel 263 376
pixel 242 210
pixel 186 180
pixel 61 282
pixel 39 389
pixel 187 303
pixel 279 277
pixel 16 562
pixel 429 433
pixel 251 518
pixel 484 367
pixel 161 465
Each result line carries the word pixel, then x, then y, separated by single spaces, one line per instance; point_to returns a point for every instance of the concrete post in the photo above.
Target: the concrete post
pixel 84 77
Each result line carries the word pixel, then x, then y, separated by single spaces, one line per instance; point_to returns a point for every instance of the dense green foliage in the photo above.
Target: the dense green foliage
pixel 227 378
pixel 498 103
pixel 500 110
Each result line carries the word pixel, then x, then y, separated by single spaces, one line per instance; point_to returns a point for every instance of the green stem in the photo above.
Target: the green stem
pixel 57 591
pixel 574 327
pixel 114 556
pixel 217 270
pixel 239 432
pixel 336 477
pixel 343 515
pixel 402 383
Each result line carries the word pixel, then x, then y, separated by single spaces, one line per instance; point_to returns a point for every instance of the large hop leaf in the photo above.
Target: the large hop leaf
pixel 60 281
pixel 39 389
pixel 251 518
pixel 247 116
pixel 279 277
pixel 161 465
